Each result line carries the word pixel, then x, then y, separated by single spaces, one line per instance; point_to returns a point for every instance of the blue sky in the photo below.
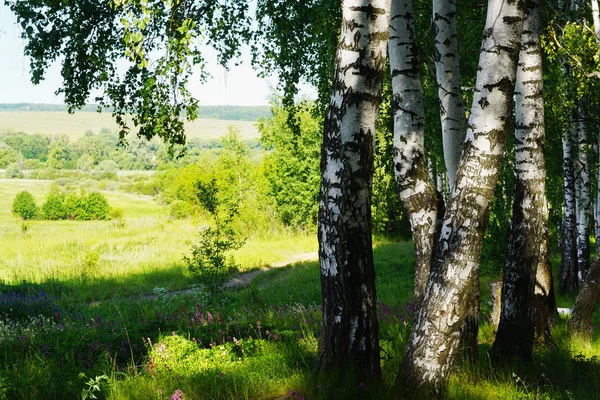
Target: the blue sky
pixel 238 86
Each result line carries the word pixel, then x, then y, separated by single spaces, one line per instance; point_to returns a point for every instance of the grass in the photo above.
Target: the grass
pixel 75 125
pixel 69 329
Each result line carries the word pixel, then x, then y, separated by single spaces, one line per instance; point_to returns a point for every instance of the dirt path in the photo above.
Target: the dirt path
pixel 244 280
pixel 238 281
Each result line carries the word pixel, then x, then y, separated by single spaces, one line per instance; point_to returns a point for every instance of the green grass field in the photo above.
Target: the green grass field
pixel 149 246
pixel 75 125
pixel 115 330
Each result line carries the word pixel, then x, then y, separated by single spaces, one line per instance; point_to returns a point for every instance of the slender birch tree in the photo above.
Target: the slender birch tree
pixel 568 272
pixel 349 331
pixel 434 341
pixel 527 249
pixel 582 191
pixel 410 165
pixel 447 71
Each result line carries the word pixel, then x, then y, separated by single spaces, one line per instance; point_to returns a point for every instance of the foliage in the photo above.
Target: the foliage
pixel 8 155
pixel 24 206
pixel 54 207
pixel 86 207
pixel 210 260
pixel 97 206
pixel 13 171
pixel 291 163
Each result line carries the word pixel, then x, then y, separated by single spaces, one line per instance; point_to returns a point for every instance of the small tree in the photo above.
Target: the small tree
pixel 24 206
pixel 54 207
pixel 13 171
pixel 96 206
pixel 210 261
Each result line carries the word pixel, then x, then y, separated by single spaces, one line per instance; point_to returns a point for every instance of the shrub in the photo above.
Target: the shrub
pixel 210 261
pixel 107 166
pixel 96 206
pixel 24 206
pixel 180 209
pixel 75 206
pixel 54 207
pixel 14 172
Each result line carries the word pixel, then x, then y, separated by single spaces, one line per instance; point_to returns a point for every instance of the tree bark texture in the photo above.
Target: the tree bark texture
pixel 349 331
pixel 529 227
pixel 434 341
pixel 568 271
pixel 582 189
pixel 410 165
pixel 544 304
pixel 581 322
pixel 452 108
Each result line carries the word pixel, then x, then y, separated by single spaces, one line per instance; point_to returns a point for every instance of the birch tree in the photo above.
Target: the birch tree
pixel 527 249
pixel 452 109
pixel 349 332
pixel 434 341
pixel 582 191
pixel 568 272
pixel 580 323
pixel 410 165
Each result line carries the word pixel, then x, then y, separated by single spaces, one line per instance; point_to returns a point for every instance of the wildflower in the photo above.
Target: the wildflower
pixel 178 395
pixel 362 385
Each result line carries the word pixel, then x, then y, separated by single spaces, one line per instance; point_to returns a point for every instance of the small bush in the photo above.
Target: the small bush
pixel 211 260
pixel 24 206
pixel 74 204
pixel 180 209
pixel 14 172
pixel 96 206
pixel 54 207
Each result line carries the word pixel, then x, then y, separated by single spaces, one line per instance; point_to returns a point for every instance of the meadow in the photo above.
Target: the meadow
pixel 75 125
pixel 123 325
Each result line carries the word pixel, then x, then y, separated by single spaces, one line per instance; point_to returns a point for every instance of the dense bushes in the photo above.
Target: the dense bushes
pixel 24 206
pixel 58 206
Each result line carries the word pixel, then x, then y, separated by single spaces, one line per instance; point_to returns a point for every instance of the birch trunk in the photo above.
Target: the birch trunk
pixel 452 109
pixel 581 322
pixel 582 203
pixel 349 330
pixel 412 173
pixel 544 297
pixel 568 271
pixel 527 247
pixel 434 341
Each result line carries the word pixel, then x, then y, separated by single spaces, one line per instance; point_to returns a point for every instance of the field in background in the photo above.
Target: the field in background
pixel 75 125
pixel 145 252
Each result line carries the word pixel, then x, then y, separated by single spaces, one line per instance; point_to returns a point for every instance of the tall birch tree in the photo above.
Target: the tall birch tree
pixel 447 71
pixel 582 191
pixel 434 341
pixel 527 249
pixel 349 331
pixel 410 165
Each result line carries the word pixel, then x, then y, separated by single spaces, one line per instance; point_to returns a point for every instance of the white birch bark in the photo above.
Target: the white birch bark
pixel 582 203
pixel 527 249
pixel 413 177
pixel 568 272
pixel 349 330
pixel 452 109
pixel 596 19
pixel 434 341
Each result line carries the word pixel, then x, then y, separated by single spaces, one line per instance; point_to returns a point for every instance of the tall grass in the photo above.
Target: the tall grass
pixel 87 309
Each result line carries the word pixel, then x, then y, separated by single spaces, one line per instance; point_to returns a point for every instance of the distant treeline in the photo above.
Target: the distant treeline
pixel 233 113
